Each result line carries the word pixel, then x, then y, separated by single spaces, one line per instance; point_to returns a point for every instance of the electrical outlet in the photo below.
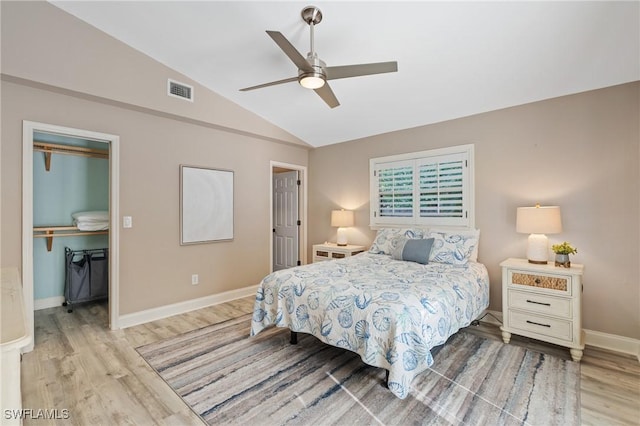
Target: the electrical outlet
pixel 194 279
pixel 127 222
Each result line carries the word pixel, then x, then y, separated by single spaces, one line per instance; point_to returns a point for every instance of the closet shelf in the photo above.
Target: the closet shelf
pixel 54 148
pixel 49 232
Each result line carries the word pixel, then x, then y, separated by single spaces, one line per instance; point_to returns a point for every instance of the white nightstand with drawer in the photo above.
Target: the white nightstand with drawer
pixel 543 302
pixel 331 251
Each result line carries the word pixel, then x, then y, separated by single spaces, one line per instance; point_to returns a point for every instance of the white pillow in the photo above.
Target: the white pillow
pixel 454 247
pixel 386 241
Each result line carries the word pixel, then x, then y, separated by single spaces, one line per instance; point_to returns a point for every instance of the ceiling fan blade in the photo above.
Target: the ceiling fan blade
pixel 273 83
pixel 327 95
pixel 290 51
pixel 345 71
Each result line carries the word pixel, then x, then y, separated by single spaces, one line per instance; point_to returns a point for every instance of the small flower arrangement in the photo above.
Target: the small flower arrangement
pixel 564 248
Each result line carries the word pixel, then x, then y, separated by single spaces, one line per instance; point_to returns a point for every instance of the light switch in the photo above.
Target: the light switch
pixel 127 222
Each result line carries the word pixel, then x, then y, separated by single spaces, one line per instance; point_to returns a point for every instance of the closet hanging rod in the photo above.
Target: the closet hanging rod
pixel 49 232
pixel 54 148
pixel 70 149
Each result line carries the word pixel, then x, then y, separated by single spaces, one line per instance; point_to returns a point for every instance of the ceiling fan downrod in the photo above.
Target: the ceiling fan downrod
pixel 311 26
pixel 316 79
pixel 312 16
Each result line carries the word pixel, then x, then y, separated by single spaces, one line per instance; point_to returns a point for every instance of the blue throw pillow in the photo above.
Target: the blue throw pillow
pixel 413 250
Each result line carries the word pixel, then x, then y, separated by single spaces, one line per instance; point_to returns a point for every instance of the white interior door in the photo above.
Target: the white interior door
pixel 286 223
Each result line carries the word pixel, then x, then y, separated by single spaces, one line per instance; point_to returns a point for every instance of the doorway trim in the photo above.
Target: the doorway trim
pixel 28 130
pixel 302 205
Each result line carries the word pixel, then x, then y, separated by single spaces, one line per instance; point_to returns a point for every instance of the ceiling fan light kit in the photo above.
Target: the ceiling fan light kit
pixel 313 81
pixel 313 73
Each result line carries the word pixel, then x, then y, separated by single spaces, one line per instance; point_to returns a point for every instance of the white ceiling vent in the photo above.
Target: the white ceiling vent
pixel 179 90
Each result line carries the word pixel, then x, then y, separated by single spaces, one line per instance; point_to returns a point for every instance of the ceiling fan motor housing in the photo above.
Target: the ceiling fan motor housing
pixel 318 68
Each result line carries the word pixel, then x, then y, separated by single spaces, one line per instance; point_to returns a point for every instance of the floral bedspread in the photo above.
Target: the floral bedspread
pixel 390 312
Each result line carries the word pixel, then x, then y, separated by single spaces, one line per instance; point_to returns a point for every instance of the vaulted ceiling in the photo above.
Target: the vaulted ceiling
pixel 455 59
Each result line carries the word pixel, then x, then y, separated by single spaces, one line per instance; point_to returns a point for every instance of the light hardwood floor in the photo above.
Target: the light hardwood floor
pixel 97 375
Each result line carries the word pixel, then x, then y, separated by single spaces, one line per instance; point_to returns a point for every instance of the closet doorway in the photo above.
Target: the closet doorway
pixel 288 215
pixel 54 142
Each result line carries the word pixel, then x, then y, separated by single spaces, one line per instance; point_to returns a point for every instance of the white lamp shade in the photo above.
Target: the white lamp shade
pixel 342 218
pixel 538 220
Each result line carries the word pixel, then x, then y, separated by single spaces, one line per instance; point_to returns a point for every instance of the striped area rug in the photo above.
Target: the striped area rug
pixel 227 377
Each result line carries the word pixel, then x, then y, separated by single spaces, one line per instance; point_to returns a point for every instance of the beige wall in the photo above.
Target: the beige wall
pixel 155 270
pixel 44 44
pixel 580 152
pixel 58 70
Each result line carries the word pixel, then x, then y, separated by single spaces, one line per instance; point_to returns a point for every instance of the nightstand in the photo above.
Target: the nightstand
pixel 329 251
pixel 543 302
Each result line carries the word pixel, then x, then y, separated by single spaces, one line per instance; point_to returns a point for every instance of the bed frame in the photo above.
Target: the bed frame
pixel 294 341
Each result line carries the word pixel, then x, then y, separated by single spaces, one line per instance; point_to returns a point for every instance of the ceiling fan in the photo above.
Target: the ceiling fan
pixel 313 73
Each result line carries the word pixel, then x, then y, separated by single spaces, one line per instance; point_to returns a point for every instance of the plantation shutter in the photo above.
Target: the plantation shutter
pixel 441 186
pixel 425 188
pixel 395 189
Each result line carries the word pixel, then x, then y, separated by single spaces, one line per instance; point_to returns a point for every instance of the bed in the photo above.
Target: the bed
pixel 390 311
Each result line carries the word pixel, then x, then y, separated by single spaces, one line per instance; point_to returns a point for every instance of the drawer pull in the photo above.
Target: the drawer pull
pixel 537 323
pixel 538 303
pixel 537 281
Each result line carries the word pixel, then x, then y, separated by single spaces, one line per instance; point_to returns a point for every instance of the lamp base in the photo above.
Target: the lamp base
pixel 538 249
pixel 342 237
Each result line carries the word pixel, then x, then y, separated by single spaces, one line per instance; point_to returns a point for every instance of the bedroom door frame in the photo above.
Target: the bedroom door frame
pixel 302 208
pixel 113 141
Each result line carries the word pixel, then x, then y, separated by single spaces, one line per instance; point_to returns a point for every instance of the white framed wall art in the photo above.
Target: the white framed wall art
pixel 206 205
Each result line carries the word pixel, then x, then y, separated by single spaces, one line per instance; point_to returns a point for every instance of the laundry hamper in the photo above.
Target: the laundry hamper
pixel 86 276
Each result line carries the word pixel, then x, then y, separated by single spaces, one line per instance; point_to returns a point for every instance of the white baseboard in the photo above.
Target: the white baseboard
pixel 597 339
pixel 612 342
pixel 593 338
pixel 161 312
pixel 49 302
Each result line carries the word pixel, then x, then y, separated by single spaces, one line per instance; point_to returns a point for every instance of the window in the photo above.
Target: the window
pixel 423 188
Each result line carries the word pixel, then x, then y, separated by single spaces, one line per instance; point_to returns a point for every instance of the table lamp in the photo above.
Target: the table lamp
pixel 342 219
pixel 538 221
